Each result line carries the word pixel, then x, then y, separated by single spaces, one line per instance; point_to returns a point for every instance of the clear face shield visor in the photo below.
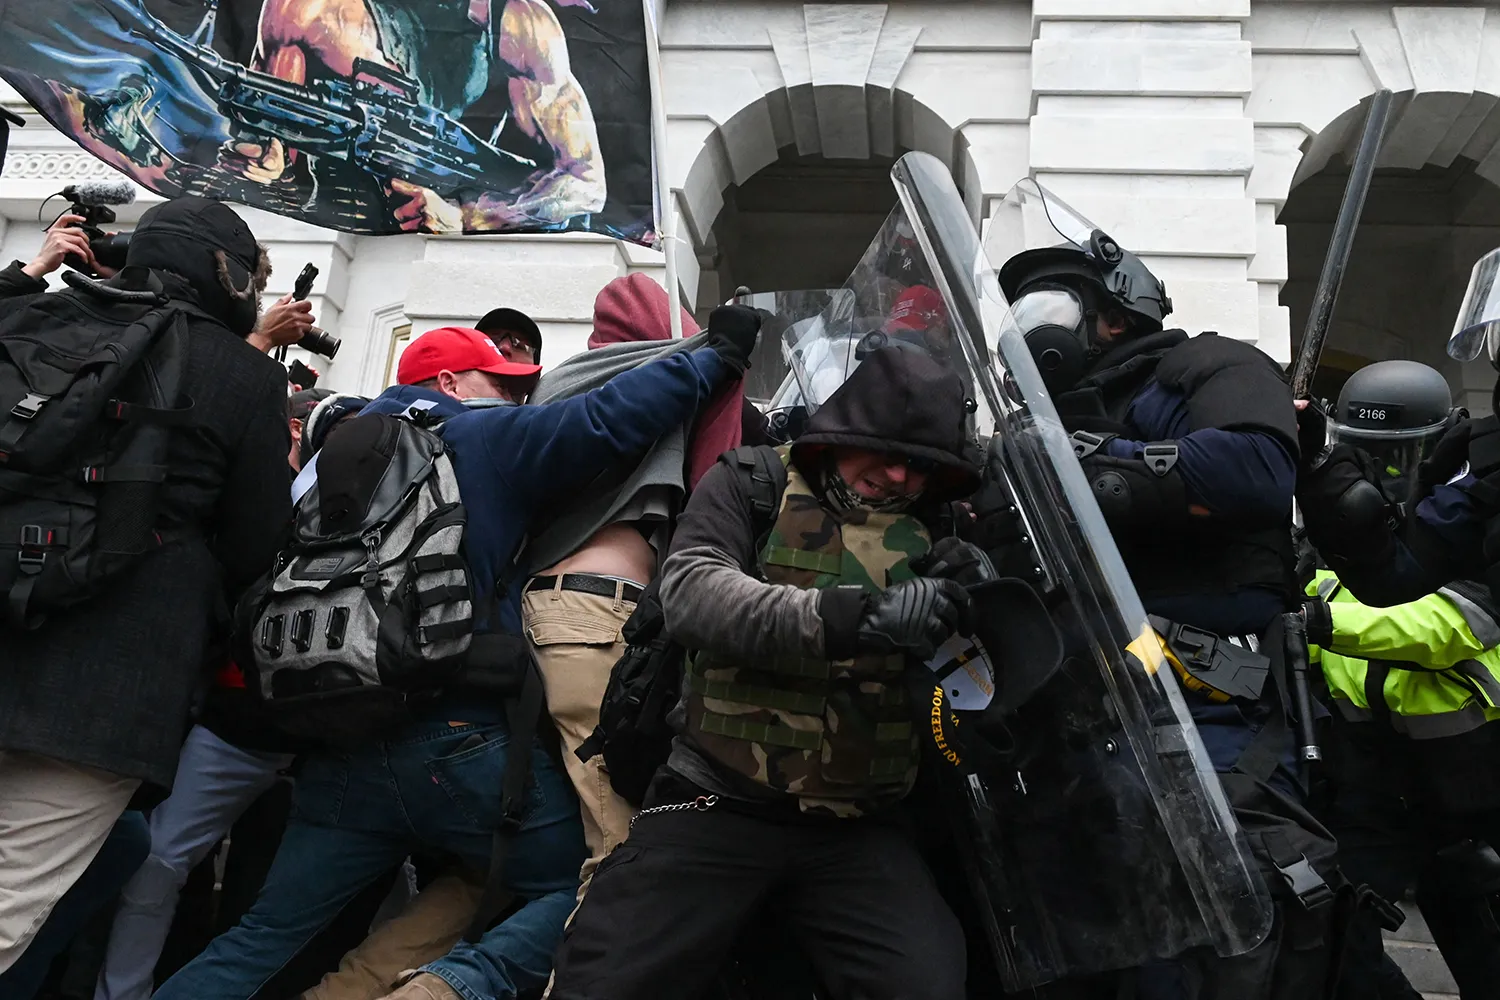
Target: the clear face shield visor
pixel 1476 331
pixel 1397 453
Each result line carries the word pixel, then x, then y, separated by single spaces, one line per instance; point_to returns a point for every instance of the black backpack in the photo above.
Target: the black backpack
pixel 370 610
pixel 90 385
pixel 371 600
pixel 646 682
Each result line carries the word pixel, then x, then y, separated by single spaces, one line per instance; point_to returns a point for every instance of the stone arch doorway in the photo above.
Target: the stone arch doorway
pixel 1420 233
pixel 780 147
pixel 1433 207
pixel 798 214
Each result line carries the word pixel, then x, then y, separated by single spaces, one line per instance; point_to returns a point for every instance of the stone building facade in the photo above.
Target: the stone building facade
pixel 1210 136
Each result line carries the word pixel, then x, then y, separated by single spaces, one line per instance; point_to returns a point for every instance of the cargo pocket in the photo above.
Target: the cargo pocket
pixel 552 623
pixel 472 778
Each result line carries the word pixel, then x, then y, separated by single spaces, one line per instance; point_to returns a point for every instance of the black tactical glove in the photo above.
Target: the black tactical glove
pixel 732 331
pixel 916 617
pixel 957 560
pixel 1347 512
pixel 1446 460
pixel 1319 619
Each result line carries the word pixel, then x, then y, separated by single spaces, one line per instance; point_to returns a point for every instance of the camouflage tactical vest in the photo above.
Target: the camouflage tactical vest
pixel 836 734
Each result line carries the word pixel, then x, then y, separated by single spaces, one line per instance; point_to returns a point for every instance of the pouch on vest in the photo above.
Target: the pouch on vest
pixel 90 387
pixel 371 602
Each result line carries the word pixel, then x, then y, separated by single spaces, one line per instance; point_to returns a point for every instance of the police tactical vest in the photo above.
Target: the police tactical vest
pixel 1209 557
pixel 836 734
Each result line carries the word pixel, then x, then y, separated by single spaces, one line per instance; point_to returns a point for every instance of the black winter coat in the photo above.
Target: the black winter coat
pixel 111 683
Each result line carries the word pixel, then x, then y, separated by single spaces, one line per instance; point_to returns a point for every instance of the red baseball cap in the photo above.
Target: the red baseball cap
pixel 918 308
pixel 455 349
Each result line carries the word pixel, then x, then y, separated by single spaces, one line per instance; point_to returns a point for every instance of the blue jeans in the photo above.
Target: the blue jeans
pixel 436 786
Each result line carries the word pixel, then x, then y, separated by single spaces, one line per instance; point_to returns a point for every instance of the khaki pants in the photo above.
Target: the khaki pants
pixel 422 932
pixel 576 638
pixel 54 817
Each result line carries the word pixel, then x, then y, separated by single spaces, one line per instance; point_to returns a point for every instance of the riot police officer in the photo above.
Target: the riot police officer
pixel 1389 550
pixel 1400 741
pixel 1190 446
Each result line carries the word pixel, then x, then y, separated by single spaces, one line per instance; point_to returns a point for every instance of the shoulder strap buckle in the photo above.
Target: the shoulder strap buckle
pixel 29 407
pixel 31 555
pixel 1085 443
pixel 1306 884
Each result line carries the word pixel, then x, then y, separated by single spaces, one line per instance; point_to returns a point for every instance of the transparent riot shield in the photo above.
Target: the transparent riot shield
pixel 783 314
pixel 889 300
pixel 787 318
pixel 1086 812
pixel 1476 329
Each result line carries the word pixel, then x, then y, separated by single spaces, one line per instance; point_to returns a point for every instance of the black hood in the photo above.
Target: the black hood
pixel 899 401
pixel 198 238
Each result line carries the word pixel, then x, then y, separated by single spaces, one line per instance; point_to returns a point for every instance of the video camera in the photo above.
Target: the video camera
pixel 92 201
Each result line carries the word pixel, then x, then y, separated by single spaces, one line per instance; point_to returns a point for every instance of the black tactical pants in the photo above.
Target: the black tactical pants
pixel 1393 846
pixel 666 908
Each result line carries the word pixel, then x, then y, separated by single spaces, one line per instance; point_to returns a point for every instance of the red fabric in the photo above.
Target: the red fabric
pixel 918 308
pixel 454 349
pixel 634 308
pixel 230 676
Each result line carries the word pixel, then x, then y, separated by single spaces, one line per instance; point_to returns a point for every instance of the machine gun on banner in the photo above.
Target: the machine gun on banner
pixel 373 120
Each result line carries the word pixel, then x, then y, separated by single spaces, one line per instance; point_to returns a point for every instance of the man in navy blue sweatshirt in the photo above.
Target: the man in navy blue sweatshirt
pixel 437 783
pixel 1190 445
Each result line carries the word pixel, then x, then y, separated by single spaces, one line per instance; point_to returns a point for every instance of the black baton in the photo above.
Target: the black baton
pixel 1295 628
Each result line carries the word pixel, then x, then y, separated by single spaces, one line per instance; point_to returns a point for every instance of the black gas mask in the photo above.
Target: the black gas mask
pixel 1059 331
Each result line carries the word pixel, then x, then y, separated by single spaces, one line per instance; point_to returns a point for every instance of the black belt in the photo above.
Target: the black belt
pixel 585 584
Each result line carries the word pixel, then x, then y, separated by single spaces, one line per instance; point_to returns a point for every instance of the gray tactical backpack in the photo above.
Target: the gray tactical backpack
pixel 371 604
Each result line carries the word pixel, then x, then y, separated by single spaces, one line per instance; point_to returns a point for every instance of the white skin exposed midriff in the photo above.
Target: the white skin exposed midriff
pixel 615 550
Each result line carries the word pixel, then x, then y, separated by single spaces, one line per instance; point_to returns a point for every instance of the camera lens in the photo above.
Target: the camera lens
pixel 111 250
pixel 320 341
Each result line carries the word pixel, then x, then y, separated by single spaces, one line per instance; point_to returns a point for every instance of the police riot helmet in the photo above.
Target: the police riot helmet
pixel 1060 273
pixel 1118 277
pixel 1395 411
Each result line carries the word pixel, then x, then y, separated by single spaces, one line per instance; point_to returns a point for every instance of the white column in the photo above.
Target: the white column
pixel 1140 124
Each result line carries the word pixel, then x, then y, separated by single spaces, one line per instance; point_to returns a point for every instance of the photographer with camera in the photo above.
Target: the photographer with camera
pixel 63 238
pixel 130 518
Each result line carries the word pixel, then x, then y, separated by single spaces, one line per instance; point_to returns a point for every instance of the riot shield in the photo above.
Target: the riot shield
pixel 1087 814
pixel 787 318
pixel 889 300
pixel 783 314
pixel 1476 329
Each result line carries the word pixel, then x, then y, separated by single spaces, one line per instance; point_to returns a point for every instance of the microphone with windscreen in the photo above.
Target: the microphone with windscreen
pixel 93 200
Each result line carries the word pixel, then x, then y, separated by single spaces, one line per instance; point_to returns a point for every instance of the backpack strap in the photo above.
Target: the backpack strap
pixel 762 475
pixel 523 715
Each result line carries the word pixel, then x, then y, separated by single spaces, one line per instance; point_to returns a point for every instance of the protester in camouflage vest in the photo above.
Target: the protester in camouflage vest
pixel 796 731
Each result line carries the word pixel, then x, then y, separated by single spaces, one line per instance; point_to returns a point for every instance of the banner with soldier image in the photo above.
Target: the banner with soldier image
pixel 368 116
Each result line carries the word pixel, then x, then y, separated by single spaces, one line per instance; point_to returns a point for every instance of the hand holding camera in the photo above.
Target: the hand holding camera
pixel 285 323
pixel 290 321
pixel 64 240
